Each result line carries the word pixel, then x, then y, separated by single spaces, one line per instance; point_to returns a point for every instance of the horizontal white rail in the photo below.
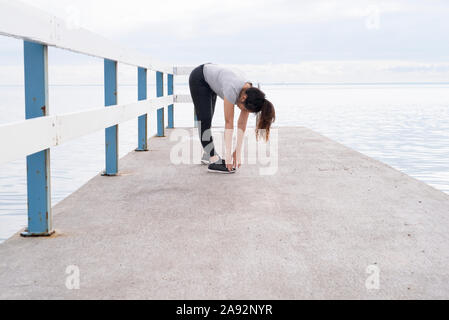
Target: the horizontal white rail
pixel 183 98
pixel 23 138
pixel 28 23
pixel 183 70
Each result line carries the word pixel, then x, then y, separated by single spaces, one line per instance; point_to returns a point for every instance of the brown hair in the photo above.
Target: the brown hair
pixel 266 114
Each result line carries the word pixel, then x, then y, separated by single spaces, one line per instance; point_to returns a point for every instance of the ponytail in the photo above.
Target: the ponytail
pixel 265 119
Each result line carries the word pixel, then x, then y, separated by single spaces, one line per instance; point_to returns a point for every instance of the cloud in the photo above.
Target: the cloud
pixel 327 40
pixel 348 72
pixel 194 18
pixel 421 68
pixel 304 72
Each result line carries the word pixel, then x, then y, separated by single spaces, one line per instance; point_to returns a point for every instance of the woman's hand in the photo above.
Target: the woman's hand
pixel 237 160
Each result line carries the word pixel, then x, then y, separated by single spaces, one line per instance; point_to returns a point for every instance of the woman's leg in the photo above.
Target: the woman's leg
pixel 204 100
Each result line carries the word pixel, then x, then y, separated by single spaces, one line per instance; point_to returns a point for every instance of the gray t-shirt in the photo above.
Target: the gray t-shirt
pixel 224 81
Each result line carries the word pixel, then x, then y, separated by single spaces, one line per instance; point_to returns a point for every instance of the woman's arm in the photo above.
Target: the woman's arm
pixel 229 132
pixel 242 123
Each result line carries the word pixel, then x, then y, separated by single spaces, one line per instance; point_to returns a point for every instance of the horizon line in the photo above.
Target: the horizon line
pixel 263 83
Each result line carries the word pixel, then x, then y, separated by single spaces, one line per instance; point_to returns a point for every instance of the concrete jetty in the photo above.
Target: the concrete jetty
pixel 331 223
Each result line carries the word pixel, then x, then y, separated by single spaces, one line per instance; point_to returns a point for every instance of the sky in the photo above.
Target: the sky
pixel 271 40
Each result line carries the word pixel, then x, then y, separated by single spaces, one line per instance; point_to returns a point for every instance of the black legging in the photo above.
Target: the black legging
pixel 204 99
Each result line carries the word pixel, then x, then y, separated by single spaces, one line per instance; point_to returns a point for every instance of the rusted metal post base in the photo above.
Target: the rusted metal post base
pixel 27 234
pixel 105 174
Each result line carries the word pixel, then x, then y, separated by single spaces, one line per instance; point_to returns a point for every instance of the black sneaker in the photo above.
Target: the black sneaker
pixel 220 167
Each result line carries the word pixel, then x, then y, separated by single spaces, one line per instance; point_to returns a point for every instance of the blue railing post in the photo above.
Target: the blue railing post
pixel 171 116
pixel 38 164
pixel 160 112
pixel 143 120
pixel 110 97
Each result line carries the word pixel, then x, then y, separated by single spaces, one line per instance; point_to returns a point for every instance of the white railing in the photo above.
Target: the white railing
pixel 27 23
pixel 56 130
pixel 35 136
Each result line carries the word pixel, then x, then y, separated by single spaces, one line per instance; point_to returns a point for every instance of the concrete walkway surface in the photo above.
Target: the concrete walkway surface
pixel 327 221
